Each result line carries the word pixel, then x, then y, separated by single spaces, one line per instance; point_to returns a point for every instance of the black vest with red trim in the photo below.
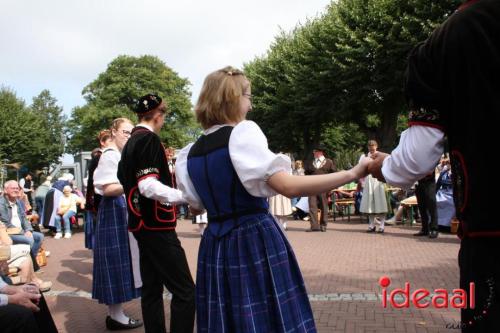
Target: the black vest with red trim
pixel 144 156
pixel 453 83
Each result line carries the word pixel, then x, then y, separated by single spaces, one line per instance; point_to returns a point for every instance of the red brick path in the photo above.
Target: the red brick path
pixel 341 268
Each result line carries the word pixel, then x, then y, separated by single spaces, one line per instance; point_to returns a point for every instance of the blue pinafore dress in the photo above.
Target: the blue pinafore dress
pixel 248 279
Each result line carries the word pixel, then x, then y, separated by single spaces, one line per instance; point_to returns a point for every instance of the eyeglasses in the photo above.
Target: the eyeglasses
pixel 126 133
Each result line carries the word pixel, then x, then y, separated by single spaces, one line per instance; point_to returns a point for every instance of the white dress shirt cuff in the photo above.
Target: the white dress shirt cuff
pixel 152 188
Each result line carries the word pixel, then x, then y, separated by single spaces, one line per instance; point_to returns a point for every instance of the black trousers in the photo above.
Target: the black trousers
pixel 18 319
pixel 163 263
pixel 479 261
pixel 320 201
pixel 426 197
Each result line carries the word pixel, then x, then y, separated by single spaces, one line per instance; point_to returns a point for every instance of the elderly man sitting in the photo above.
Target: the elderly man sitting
pixel 12 215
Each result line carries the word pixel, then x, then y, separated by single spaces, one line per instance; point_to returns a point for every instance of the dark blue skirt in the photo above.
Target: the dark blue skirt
pixel 249 281
pixel 113 280
pixel 88 228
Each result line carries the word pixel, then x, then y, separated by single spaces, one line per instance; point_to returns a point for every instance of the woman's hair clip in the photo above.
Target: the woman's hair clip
pixel 232 71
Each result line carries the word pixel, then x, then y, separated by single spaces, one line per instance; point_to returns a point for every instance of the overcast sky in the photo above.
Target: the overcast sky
pixel 62 45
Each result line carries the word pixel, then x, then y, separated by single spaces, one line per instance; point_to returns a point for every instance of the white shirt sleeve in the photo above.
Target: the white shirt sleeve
pixel 417 154
pixel 4 299
pixel 253 161
pixel 184 181
pixel 106 171
pixel 152 188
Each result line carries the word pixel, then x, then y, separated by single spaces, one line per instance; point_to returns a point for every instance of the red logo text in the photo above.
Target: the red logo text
pixel 440 298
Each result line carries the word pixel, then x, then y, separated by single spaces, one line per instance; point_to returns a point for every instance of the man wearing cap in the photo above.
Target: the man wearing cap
pixel 148 184
pixel 319 166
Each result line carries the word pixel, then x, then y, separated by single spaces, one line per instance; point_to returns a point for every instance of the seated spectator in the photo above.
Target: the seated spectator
pixel 19 258
pixel 12 215
pixel 66 210
pixel 52 199
pixel 23 309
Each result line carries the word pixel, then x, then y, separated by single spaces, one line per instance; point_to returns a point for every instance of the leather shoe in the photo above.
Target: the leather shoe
pixel 322 228
pixel 371 229
pixel 312 230
pixel 433 234
pixel 421 233
pixel 114 325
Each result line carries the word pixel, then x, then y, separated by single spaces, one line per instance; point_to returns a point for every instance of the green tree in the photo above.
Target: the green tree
pixel 31 136
pixel 49 142
pixel 13 137
pixel 345 66
pixel 114 93
pixel 87 121
pixel 376 37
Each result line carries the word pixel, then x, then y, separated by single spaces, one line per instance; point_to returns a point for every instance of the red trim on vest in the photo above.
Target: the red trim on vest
pixel 139 226
pixel 159 228
pixel 467 4
pixel 421 123
pixel 173 220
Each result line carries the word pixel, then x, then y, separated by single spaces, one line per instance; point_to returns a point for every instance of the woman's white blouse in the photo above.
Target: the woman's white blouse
pixel 106 171
pixel 253 162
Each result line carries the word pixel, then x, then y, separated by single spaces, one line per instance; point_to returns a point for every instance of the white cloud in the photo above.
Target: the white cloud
pixel 63 45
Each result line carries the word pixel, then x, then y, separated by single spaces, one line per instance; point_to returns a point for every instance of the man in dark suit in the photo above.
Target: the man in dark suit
pixel 319 166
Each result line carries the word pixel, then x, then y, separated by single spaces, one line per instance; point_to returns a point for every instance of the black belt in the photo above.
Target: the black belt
pixel 236 215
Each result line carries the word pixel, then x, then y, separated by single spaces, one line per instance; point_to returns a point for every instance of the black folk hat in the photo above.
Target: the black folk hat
pixel 147 103
pixel 319 147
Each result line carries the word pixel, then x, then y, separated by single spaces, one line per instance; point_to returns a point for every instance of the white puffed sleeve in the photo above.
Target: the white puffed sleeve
pixel 253 161
pixel 106 171
pixel 184 181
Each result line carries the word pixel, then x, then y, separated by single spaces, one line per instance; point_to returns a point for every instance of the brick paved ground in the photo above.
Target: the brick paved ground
pixel 341 268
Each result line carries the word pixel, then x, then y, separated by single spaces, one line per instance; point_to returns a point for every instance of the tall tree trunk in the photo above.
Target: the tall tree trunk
pixel 387 133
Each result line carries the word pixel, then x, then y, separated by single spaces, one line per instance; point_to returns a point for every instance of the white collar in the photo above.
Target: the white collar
pixel 321 158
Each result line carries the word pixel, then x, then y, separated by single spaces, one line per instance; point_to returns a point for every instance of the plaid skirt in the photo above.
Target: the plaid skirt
pixel 113 280
pixel 249 281
pixel 88 228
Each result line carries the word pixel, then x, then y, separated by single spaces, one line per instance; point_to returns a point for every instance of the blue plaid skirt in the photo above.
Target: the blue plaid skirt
pixel 249 281
pixel 88 228
pixel 113 280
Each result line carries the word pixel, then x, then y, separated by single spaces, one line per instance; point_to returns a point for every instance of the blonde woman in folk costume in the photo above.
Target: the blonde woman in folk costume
pixel 248 279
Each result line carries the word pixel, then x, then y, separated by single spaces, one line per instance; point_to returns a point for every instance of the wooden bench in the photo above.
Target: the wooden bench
pixel 409 203
pixel 343 205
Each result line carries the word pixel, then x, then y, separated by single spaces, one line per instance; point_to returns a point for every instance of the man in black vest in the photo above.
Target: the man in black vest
pixel 319 166
pixel 452 86
pixel 148 184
